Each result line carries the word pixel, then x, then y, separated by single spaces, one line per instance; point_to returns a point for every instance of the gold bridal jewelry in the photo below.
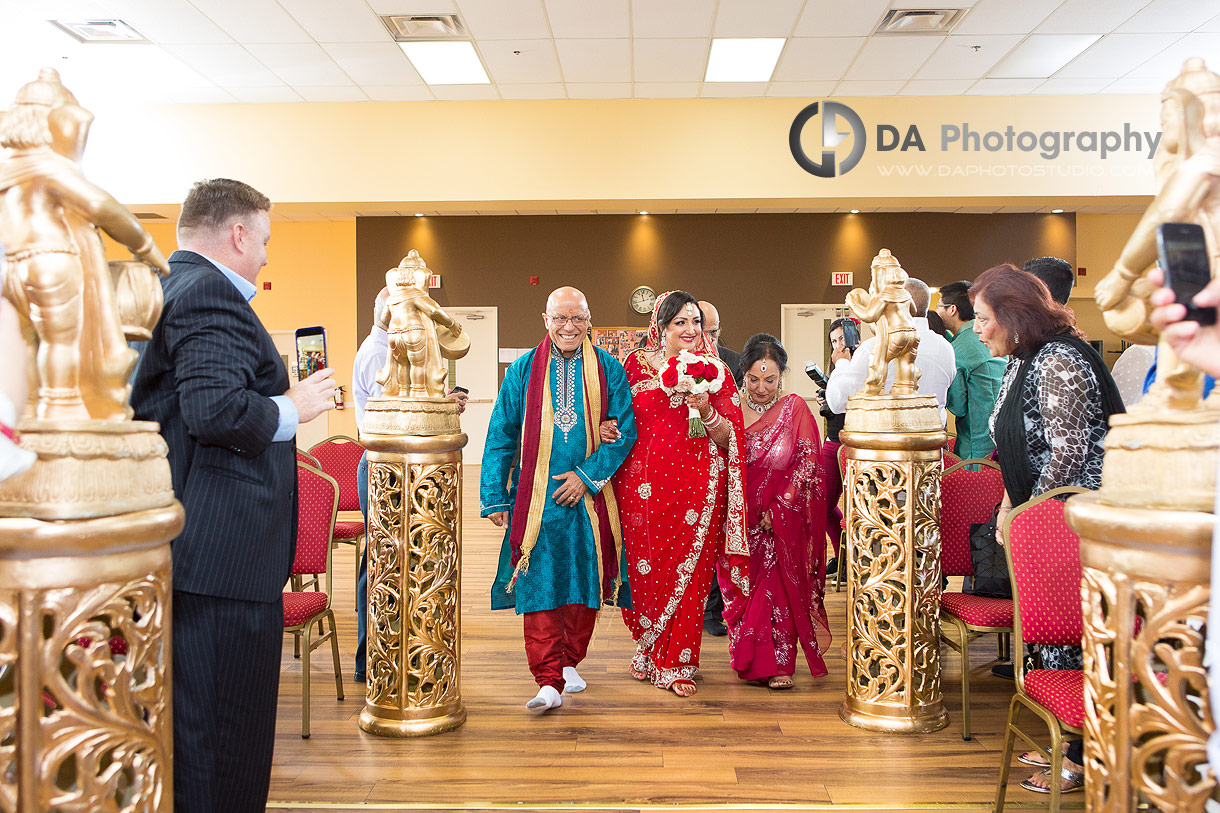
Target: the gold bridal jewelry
pixel 761 408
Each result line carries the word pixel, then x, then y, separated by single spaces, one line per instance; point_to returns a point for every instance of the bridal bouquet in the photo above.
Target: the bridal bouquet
pixel 688 374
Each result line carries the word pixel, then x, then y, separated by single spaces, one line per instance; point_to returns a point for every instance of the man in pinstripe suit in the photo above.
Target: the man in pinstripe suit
pixel 211 376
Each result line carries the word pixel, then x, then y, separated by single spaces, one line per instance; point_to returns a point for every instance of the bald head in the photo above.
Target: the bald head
pixel 566 319
pixel 381 315
pixel 566 298
pixel 711 320
pixel 920 295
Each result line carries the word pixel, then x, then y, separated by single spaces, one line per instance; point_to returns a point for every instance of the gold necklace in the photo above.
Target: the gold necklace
pixel 761 408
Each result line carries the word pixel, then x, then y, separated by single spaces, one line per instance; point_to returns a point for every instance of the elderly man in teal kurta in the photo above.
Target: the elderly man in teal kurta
pixel 972 394
pixel 565 409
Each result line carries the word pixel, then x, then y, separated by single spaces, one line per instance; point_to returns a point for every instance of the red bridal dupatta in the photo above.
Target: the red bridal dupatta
pixel 683 506
pixel 786 568
pixel 537 432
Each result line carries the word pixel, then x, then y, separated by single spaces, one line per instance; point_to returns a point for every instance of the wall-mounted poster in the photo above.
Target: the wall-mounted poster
pixel 620 341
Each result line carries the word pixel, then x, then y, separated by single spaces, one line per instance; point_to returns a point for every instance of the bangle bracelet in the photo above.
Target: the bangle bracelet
pixel 715 421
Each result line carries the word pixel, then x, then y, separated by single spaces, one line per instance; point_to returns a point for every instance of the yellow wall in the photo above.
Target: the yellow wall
pixel 312 271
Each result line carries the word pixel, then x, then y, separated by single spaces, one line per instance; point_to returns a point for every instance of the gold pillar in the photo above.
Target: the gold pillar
pixel 414 568
pixel 1146 540
pixel 892 481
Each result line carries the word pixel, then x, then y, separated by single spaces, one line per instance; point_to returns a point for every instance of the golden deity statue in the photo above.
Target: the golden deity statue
pixel 57 276
pixel 414 368
pixel 887 305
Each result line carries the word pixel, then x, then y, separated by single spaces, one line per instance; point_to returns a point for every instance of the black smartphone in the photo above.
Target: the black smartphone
pixel 311 351
pixel 1182 253
pixel 461 389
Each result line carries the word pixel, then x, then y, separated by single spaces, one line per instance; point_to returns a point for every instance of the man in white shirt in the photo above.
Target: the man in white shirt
pixel 935 360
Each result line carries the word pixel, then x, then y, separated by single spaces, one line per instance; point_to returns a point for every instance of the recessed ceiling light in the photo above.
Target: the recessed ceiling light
pixel 643 212
pixel 743 60
pixel 855 211
pixel 419 214
pixel 1056 211
pixel 446 63
pixel 92 31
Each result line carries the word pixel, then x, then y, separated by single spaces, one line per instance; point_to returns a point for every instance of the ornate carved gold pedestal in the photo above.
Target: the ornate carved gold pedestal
pixel 894 447
pixel 1146 551
pixel 414 566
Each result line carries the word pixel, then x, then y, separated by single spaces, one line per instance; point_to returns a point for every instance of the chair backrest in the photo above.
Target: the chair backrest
pixel 1044 564
pixel 947 459
pixel 843 460
pixel 317 504
pixel 307 459
pixel 966 498
pixel 339 456
pixel 951 444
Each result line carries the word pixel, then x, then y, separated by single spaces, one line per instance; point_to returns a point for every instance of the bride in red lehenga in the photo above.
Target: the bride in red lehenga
pixel 682 502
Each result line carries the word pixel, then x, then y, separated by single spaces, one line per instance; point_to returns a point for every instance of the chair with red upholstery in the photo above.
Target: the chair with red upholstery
pixel 339 456
pixel 316 507
pixel 841 570
pixel 307 459
pixel 968 497
pixel 1044 564
pixel 947 459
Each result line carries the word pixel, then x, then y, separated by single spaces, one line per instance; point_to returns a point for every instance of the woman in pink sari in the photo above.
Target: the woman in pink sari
pixel 786 516
pixel 681 501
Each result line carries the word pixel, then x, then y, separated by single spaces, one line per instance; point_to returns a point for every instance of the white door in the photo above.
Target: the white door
pixel 478 372
pixel 318 429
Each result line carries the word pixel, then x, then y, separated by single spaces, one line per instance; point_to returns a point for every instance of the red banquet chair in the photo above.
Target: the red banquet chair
pixel 968 497
pixel 318 503
pixel 339 456
pixel 1044 564
pixel 307 459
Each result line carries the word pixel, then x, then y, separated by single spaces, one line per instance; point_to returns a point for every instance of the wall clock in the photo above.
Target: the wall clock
pixel 643 299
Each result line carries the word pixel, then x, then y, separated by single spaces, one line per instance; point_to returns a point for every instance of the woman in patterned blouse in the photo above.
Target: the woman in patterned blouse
pixel 1050 418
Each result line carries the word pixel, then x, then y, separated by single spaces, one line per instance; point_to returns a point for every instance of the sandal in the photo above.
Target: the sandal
pixel 637 674
pixel 780 682
pixel 1036 759
pixel 1072 781
pixel 684 688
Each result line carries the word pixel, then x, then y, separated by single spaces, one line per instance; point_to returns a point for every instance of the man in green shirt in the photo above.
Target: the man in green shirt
pixel 973 392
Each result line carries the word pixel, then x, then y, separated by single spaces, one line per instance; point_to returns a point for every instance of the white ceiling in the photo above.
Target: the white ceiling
pixel 257 51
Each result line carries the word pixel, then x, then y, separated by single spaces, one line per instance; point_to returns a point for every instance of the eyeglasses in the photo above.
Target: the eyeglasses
pixel 714 332
pixel 560 321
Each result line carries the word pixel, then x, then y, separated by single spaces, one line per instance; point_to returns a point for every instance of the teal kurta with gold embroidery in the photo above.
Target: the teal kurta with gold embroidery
pixel 563 565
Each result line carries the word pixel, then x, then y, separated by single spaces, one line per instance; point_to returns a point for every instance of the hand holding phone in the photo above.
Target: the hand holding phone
pixel 1182 254
pixel 311 351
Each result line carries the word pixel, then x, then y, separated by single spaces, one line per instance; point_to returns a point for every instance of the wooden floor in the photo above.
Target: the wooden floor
pixel 623 745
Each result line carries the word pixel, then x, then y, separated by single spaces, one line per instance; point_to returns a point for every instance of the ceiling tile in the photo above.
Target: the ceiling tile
pixel 521 61
pixel 1170 16
pixel 1116 54
pixel 1136 84
pixel 538 91
pixel 464 93
pixel 588 19
pixel 253 20
pixel 756 18
pixel 185 95
pixel 1005 16
pixel 599 90
pixel 665 90
pixel 853 88
pixel 816 58
pixel 956 58
pixel 891 57
pixel 1212 25
pixel 498 20
pixel 833 18
pixel 265 95
pixel 673 18
pixel 106 74
pixel 1003 87
pixel 399 93
pixel 385 7
pixel 936 87
pixel 337 20
pixel 1041 55
pixel 1071 86
pixel 802 89
pixel 670 60
pixel 300 63
pixel 1089 16
pixel 595 60
pixel 373 63
pixel 168 21
pixel 733 90
pixel 978 210
pixel 331 93
pixel 1168 63
pixel 227 65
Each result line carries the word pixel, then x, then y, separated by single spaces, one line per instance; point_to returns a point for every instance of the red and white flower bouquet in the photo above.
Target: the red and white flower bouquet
pixel 689 374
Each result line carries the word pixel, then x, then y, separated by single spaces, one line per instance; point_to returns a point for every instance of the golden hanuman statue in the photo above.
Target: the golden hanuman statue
pixel 887 304
pixel 414 368
pixel 57 277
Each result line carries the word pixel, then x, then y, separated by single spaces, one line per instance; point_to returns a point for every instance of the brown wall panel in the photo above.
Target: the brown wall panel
pixel 747 264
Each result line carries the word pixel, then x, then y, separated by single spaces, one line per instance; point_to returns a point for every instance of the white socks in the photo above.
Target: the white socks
pixel 546 699
pixel 572 681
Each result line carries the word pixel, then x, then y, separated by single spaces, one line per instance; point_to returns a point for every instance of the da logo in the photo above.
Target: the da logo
pixel 832 136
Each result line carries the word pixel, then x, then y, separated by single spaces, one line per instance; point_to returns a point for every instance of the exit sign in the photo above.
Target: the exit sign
pixel 841 278
pixel 434 280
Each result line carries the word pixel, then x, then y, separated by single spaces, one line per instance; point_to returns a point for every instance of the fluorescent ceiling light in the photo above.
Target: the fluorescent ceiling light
pixel 1041 55
pixel 446 63
pixel 99 30
pixel 743 60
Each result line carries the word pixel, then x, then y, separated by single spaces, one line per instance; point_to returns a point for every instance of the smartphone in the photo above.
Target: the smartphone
pixel 311 351
pixel 1182 253
pixel 461 389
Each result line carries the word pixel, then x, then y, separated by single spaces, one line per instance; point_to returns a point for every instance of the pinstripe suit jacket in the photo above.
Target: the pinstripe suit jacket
pixel 207 376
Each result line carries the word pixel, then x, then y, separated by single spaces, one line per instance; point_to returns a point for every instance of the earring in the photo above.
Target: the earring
pixel 1016 337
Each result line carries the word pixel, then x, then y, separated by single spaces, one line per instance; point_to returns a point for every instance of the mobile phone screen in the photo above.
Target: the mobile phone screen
pixel 311 351
pixel 1182 252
